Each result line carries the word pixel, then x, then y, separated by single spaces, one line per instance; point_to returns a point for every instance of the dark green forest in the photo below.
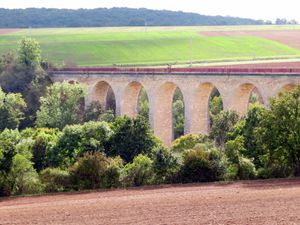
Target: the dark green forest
pixel 103 17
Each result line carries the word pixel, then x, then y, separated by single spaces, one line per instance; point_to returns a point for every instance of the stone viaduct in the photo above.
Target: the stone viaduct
pixel 196 85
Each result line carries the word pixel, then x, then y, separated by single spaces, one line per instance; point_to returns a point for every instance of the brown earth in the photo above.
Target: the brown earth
pixel 7 31
pixel 261 65
pixel 287 37
pixel 256 202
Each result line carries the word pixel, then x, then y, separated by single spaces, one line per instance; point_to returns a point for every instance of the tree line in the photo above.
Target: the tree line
pixel 104 17
pixel 49 143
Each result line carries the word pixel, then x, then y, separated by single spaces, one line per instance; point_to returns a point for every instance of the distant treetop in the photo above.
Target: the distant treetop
pixel 103 17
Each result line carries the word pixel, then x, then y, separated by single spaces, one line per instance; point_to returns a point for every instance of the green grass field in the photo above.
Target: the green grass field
pixel 151 46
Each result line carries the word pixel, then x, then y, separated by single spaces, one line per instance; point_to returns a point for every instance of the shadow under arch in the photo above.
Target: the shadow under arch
pixel 163 112
pixel 241 97
pixel 104 94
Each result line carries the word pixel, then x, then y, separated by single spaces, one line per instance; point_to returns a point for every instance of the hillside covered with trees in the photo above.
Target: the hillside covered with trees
pixel 103 17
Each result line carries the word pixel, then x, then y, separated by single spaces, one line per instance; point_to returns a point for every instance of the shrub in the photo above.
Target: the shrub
pixel 75 140
pixel 275 170
pixel 93 111
pixel 5 186
pixel 246 169
pixel 186 142
pixel 139 172
pixel 8 142
pixel 164 164
pixel 112 173
pixel 88 171
pixel 23 177
pixel 132 137
pixel 43 140
pixel 55 179
pixel 201 166
pixel 223 123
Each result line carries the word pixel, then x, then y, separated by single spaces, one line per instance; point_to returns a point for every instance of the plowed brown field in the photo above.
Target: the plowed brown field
pixel 287 37
pixel 257 202
pixel 261 65
pixel 7 31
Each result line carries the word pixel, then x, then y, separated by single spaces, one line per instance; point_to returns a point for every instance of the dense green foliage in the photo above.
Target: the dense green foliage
pixel 103 17
pixel 61 105
pixel 22 73
pixel 131 137
pixel 279 132
pixel 12 108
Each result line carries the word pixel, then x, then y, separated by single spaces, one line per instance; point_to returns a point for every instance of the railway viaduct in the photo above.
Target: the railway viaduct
pixel 196 85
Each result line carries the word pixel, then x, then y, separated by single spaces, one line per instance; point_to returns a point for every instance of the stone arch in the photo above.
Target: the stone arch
pixel 287 87
pixel 241 97
pixel 198 116
pixel 103 93
pixel 163 112
pixel 130 98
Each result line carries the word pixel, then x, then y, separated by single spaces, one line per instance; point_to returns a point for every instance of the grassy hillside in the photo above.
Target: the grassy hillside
pixel 107 46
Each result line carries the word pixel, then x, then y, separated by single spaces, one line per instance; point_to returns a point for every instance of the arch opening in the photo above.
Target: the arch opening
pixel 245 95
pixel 215 105
pixel 104 94
pixel 287 88
pixel 135 101
pixel 143 104
pixel 178 114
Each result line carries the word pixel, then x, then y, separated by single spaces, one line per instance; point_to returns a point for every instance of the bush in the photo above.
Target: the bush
pixel 8 142
pixel 112 174
pixel 246 169
pixel 75 140
pixel 88 171
pixel 43 140
pixel 139 172
pixel 164 164
pixel 201 166
pixel 131 138
pixel 186 142
pixel 275 170
pixel 23 177
pixel 55 179
pixel 243 168
pixel 5 186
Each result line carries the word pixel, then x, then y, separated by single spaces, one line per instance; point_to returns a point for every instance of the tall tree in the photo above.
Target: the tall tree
pixel 12 108
pixel 279 131
pixel 61 106
pixel 23 73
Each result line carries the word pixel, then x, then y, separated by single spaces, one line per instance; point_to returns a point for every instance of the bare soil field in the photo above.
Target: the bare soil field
pixel 7 31
pixel 287 37
pixel 261 65
pixel 255 202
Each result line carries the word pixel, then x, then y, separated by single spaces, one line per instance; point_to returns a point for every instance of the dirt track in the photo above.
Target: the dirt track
pixel 267 202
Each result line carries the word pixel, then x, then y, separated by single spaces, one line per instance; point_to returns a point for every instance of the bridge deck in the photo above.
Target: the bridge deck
pixel 207 70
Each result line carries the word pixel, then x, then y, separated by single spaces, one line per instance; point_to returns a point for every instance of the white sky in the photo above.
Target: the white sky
pixel 256 9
